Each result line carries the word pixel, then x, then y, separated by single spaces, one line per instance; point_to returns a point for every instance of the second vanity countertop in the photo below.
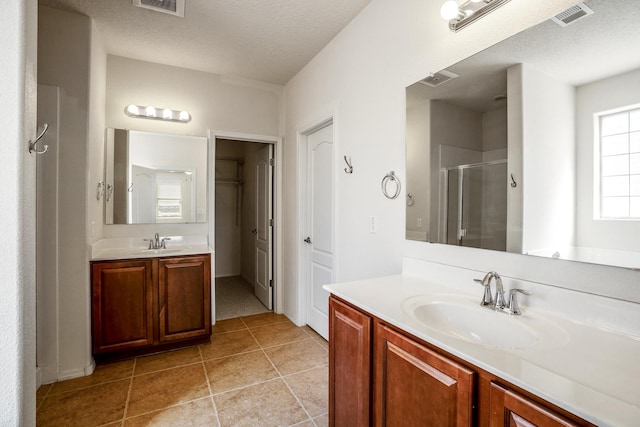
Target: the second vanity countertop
pixel 585 368
pixel 130 248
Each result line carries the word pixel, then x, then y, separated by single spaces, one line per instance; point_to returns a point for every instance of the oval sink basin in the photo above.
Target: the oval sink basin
pixel 157 252
pixel 471 323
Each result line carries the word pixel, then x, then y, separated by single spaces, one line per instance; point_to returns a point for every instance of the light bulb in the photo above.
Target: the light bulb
pixel 476 1
pixel 184 116
pixel 449 10
pixel 133 110
pixel 167 114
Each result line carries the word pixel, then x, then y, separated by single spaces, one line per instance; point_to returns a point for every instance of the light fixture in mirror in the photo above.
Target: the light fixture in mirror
pixel 155 178
pixel 526 111
pixel 461 15
pixel 156 113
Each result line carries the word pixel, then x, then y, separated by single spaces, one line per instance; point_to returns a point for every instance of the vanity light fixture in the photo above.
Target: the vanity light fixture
pixel 460 15
pixel 149 112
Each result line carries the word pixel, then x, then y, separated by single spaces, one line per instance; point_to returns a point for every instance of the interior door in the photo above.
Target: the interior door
pixel 142 191
pixel 264 229
pixel 319 239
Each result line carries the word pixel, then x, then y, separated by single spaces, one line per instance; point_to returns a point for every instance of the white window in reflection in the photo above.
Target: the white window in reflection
pixel 618 147
pixel 169 200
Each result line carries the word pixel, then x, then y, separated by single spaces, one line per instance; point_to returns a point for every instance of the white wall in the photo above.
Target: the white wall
pixel 360 77
pixel 18 86
pixel 65 47
pixel 603 95
pixel 419 182
pixel 215 102
pixel 548 139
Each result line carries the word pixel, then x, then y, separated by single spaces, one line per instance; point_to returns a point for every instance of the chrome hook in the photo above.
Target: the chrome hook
pixel 513 182
pixel 32 145
pixel 349 168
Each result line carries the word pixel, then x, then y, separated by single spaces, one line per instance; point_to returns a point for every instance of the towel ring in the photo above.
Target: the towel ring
pixel 391 177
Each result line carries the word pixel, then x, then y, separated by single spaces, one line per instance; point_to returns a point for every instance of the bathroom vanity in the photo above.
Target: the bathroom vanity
pixel 148 300
pixel 405 350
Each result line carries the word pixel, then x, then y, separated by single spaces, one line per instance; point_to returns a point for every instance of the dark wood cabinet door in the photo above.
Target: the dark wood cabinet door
pixel 122 305
pixel 349 366
pixel 415 386
pixel 184 297
pixel 510 409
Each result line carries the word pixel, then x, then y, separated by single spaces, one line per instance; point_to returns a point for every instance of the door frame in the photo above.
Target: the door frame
pixel 302 172
pixel 278 231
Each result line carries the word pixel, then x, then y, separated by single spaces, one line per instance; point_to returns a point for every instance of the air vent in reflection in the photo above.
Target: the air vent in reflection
pixel 172 7
pixel 436 79
pixel 572 14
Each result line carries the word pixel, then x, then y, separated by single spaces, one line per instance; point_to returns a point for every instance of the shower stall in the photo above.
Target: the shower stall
pixel 474 205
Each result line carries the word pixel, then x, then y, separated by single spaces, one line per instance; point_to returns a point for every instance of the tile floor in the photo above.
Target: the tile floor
pixel 258 370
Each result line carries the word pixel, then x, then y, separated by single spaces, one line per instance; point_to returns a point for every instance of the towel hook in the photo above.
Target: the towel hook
pixel 349 168
pixel 32 145
pixel 513 182
pixel 391 176
pixel 410 201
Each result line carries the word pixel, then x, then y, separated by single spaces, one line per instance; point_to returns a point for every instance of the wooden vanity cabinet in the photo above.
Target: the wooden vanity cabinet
pixel 350 366
pixel 146 305
pixel 382 376
pixel 511 409
pixel 415 386
pixel 122 305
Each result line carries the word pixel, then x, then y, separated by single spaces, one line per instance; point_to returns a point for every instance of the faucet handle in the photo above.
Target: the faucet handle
pixel 487 299
pixel 150 243
pixel 163 245
pixel 513 307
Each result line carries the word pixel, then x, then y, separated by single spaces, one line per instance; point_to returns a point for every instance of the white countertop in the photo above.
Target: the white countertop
pixel 136 247
pixel 589 369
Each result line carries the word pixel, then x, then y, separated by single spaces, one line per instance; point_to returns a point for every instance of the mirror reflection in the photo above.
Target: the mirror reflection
pixel 155 178
pixel 533 145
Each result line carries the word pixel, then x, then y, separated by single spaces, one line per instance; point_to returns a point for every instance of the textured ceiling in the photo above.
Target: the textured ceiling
pixel 263 40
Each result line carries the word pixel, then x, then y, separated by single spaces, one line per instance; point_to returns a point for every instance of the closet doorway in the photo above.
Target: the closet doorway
pixel 244 219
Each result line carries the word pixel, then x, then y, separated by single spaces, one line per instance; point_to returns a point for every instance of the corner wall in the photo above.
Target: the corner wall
pixel 360 78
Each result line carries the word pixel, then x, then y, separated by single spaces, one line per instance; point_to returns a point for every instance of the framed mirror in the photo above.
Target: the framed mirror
pixel 155 178
pixel 532 146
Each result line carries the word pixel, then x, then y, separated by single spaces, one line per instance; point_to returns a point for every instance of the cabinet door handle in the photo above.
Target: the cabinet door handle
pixel 307 240
pixel 255 231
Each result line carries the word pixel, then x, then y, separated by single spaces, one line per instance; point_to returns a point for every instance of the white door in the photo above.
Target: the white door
pixel 319 238
pixel 142 193
pixel 264 228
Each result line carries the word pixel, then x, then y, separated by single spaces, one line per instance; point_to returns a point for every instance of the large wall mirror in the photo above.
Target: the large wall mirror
pixel 532 146
pixel 155 178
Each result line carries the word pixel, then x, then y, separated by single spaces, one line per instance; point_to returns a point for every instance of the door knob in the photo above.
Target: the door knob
pixel 255 231
pixel 307 240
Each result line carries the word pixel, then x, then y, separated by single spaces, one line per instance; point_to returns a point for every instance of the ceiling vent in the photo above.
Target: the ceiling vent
pixel 436 79
pixel 572 14
pixel 172 7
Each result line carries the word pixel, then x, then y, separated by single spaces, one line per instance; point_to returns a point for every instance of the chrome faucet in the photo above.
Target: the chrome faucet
pixel 156 242
pixel 498 303
pixel 487 300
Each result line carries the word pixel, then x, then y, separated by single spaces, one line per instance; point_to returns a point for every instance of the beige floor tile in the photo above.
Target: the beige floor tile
pixel 228 344
pixel 297 356
pixel 311 389
pixel 228 325
pixel 197 413
pixel 265 404
pixel 238 371
pixel 317 337
pixel 322 420
pixel 159 390
pixel 170 359
pixel 264 319
pixel 102 374
pixel 92 406
pixel 278 333
pixel 305 423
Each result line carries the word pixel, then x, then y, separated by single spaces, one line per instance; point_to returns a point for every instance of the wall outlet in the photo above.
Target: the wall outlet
pixel 373 226
pixel 419 223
